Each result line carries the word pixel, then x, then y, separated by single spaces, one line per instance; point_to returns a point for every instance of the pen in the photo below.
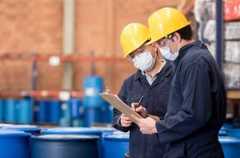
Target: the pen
pixel 139 102
pixel 142 113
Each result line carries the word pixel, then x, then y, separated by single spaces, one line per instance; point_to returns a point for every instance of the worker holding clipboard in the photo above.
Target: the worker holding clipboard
pixel 144 92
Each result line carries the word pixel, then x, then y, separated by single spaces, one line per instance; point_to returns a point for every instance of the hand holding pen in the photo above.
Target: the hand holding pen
pixel 142 110
pixel 139 108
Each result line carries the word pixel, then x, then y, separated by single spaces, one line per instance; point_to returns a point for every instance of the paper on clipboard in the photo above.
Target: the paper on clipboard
pixel 117 103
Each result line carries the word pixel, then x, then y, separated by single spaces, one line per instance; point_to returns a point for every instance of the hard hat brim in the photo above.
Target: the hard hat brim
pixel 141 45
pixel 152 41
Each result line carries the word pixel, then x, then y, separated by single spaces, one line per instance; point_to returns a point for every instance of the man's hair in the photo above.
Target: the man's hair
pixel 186 33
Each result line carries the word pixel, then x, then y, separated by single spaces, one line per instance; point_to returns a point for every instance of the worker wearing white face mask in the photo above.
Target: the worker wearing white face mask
pixel 150 84
pixel 167 54
pixel 144 61
pixel 197 103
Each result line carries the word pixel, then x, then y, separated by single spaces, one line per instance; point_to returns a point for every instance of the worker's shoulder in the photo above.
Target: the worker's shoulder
pixel 132 77
pixel 197 56
pixel 169 69
pixel 170 66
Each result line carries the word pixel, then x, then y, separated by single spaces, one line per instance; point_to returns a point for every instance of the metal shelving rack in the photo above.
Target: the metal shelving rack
pixel 232 95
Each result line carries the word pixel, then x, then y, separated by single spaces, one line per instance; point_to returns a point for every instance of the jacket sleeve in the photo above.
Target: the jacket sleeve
pixel 195 109
pixel 116 114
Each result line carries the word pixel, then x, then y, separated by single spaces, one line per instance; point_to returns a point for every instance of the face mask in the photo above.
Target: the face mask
pixel 144 61
pixel 167 54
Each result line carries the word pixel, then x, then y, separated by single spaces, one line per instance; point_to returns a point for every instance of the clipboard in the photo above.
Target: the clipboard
pixel 117 103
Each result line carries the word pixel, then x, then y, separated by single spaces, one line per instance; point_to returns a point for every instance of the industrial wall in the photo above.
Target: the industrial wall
pixel 37 27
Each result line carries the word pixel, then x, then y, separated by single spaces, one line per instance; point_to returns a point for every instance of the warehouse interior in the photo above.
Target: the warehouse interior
pixel 57 56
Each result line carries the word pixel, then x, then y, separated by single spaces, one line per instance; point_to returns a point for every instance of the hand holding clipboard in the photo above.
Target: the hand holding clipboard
pixel 117 103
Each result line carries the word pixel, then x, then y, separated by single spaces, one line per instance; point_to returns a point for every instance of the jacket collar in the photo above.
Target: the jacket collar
pixel 166 71
pixel 184 50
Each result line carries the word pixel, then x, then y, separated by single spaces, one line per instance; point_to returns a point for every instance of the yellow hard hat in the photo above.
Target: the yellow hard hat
pixel 165 21
pixel 133 36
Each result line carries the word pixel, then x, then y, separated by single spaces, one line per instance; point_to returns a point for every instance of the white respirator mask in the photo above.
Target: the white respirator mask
pixel 167 54
pixel 144 61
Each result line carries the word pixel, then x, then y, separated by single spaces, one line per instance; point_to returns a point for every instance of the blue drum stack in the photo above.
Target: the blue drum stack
pixel 96 110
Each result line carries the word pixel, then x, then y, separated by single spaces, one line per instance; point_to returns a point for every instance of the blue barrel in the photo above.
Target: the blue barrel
pixel 77 112
pixel 66 114
pixel 233 132
pixel 104 115
pixel 224 129
pixel 64 146
pixel 93 85
pixel 2 105
pixel 14 144
pixel 36 111
pixel 230 146
pixel 95 82
pixel 10 110
pixel 227 125
pixel 222 132
pixel 25 111
pixel 30 129
pixel 97 115
pixel 100 132
pixel 115 144
pixel 90 116
pixel 43 111
pixel 54 112
pixel 75 103
pixel 48 111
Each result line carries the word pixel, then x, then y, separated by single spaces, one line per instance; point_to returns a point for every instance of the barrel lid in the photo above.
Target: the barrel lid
pixel 3 125
pixel 75 130
pixel 234 132
pixel 228 139
pixel 227 125
pixel 65 137
pixel 23 127
pixel 104 129
pixel 117 136
pixel 222 132
pixel 8 132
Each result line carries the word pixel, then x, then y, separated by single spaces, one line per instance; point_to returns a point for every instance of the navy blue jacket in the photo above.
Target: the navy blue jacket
pixel 196 108
pixel 155 98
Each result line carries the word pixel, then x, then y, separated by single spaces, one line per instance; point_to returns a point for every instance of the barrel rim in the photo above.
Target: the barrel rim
pixel 116 137
pixel 63 137
pixel 7 132
pixel 229 139
pixel 23 127
pixel 76 130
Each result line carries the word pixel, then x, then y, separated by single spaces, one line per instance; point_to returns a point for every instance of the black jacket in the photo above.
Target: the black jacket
pixel 155 98
pixel 196 108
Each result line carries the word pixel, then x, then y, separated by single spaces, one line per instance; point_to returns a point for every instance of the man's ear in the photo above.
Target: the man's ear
pixel 157 51
pixel 129 58
pixel 155 45
pixel 176 37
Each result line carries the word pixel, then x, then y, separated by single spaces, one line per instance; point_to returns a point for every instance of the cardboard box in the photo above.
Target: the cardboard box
pixel 231 31
pixel 232 75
